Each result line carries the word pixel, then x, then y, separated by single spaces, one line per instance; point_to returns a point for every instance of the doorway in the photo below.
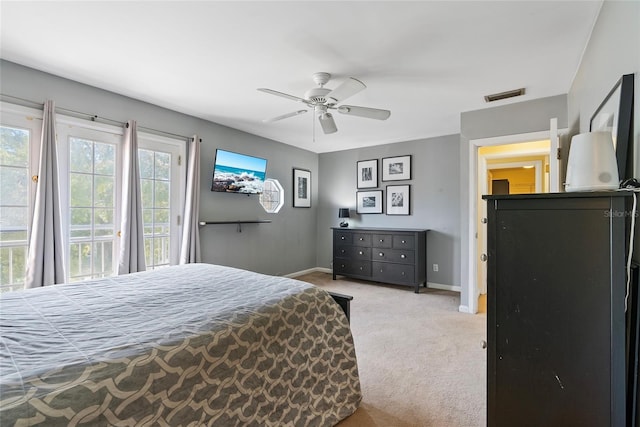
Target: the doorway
pixel 470 303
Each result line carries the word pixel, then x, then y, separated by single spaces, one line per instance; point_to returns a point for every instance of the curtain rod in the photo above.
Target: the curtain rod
pixel 92 117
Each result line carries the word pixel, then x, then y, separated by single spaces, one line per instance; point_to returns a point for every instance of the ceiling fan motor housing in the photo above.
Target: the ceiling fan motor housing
pixel 317 95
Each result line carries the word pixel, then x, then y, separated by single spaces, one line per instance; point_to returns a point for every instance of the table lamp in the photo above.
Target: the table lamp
pixel 343 213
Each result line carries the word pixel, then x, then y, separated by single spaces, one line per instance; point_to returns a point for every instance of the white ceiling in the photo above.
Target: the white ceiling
pixel 426 61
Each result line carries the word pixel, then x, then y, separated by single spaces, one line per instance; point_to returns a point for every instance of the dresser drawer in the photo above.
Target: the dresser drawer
pixel 361 239
pixel 404 242
pixel 394 255
pixel 352 267
pixel 353 252
pixel 393 273
pixel 382 240
pixel 345 237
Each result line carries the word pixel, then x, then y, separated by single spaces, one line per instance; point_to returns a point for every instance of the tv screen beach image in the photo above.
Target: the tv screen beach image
pixel 238 173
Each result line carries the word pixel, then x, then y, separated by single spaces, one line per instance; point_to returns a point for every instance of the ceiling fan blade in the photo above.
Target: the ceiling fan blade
pixel 284 116
pixel 349 88
pixel 370 113
pixel 282 94
pixel 327 123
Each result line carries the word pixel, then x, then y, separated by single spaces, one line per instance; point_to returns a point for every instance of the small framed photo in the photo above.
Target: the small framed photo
pixel 301 188
pixel 398 199
pixel 396 168
pixel 367 171
pixel 369 202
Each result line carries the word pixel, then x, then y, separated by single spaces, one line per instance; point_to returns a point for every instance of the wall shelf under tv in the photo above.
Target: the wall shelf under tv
pixel 238 222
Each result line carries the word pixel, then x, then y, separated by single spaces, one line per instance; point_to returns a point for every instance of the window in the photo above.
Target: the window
pixel 92 202
pixel 90 166
pixel 272 197
pixel 162 175
pixel 19 146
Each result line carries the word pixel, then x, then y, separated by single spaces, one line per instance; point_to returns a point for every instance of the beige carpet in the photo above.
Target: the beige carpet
pixel 421 362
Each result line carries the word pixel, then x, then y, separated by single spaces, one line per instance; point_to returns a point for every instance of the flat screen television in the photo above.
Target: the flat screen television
pixel 238 173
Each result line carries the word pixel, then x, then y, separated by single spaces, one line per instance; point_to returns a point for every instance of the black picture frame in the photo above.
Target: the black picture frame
pixel 301 188
pixel 367 173
pixel 396 168
pixel 615 115
pixel 369 202
pixel 398 199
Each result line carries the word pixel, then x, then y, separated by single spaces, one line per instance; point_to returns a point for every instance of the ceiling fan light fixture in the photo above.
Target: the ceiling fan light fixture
pixel 327 123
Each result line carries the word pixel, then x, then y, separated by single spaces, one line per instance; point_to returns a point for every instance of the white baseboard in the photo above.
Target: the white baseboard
pixel 444 287
pixel 431 285
pixel 308 271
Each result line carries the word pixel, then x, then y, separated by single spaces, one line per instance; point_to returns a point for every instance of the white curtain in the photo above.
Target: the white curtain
pixel 45 260
pixel 190 248
pixel 131 227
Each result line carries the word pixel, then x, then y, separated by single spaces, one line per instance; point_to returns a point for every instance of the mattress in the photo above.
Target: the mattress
pixel 196 344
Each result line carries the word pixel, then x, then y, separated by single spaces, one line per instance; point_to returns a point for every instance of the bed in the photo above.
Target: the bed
pixel 196 344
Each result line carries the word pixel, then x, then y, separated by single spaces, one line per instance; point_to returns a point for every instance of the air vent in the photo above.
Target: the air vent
pixel 504 95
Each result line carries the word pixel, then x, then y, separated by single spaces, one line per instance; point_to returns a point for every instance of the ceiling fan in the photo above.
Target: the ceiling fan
pixel 321 100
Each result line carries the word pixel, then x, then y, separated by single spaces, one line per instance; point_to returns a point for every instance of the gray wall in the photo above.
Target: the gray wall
pixel 282 247
pixel 435 204
pixel 614 50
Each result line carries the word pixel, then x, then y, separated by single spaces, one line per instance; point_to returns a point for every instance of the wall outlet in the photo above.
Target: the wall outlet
pixel 435 267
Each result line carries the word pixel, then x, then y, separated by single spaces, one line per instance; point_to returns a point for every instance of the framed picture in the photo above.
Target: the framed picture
pixel 367 171
pixel 301 188
pixel 396 168
pixel 614 115
pixel 369 202
pixel 398 198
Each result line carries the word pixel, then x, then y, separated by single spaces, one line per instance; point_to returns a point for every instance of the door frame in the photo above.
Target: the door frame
pixel 471 304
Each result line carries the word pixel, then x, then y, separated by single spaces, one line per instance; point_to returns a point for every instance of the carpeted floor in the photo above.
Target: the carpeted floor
pixel 421 362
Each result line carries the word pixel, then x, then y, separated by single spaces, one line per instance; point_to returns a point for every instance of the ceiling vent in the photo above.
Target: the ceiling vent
pixel 504 95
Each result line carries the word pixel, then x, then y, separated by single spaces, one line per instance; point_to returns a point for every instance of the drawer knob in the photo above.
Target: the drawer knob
pixel 381 240
pixel 404 241
pixel 403 273
pixel 342 237
pixel 403 256
pixel 360 268
pixel 381 271
pixel 360 253
pixel 381 254
pixel 361 239
pixel 342 250
pixel 342 265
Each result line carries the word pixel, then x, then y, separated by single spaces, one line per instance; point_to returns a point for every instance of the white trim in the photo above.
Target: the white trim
pixel 452 288
pixel 471 305
pixel 308 271
pixel 7 107
pixel 70 121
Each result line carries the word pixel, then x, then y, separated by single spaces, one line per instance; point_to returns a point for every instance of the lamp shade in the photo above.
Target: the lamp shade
pixel 343 213
pixel 592 163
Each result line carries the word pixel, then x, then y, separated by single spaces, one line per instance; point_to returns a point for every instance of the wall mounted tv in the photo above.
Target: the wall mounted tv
pixel 238 173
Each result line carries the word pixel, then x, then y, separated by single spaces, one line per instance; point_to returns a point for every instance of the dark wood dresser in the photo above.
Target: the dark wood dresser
pixel 387 255
pixel 556 310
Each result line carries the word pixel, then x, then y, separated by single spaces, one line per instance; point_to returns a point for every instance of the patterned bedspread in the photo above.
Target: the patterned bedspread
pixel 193 345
